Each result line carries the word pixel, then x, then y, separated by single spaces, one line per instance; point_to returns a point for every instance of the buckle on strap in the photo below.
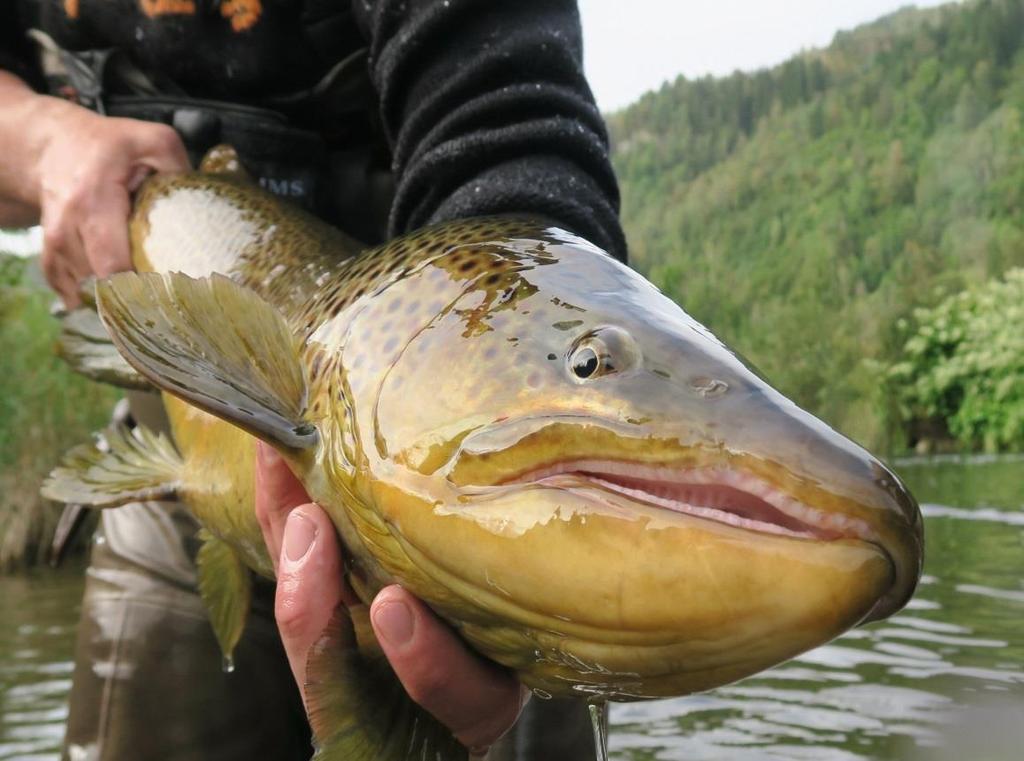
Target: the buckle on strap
pixel 77 77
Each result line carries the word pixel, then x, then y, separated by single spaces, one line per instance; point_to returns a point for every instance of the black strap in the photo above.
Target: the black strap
pixel 344 178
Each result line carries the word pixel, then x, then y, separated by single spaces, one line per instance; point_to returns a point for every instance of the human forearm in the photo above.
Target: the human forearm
pixel 74 171
pixel 24 119
pixel 487 111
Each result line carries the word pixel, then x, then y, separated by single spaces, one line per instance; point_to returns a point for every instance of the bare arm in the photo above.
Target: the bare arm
pixel 19 106
pixel 73 171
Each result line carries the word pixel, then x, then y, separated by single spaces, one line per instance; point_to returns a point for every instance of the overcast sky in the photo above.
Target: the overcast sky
pixel 633 46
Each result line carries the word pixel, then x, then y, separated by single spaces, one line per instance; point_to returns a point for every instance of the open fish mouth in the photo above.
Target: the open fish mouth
pixel 722 495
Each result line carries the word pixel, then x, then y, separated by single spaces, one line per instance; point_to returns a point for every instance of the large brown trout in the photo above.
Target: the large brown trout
pixel 577 476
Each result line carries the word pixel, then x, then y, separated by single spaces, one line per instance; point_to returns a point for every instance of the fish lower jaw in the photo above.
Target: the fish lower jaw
pixel 723 495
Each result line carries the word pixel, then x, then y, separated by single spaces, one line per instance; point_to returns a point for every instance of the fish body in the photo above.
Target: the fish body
pixel 580 478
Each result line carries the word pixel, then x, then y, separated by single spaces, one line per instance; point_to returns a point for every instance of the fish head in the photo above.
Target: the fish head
pixel 600 494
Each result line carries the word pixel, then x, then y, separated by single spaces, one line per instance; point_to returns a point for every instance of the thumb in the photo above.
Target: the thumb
pixel 310 584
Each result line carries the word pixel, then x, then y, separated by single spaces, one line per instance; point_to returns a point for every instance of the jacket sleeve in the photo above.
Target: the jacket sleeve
pixel 487 111
pixel 17 54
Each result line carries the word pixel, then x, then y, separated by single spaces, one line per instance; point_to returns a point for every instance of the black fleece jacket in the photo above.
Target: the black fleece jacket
pixel 483 102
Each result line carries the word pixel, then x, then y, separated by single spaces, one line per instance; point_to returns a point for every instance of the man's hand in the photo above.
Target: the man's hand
pixel 474 698
pixel 87 169
pixel 74 172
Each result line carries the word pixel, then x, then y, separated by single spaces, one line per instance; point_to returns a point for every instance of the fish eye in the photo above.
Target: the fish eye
pixel 601 352
pixel 585 362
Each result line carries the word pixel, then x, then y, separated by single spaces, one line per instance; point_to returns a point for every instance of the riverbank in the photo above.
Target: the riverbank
pixel 45 409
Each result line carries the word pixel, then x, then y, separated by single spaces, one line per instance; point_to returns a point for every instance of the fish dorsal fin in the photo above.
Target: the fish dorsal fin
pixel 215 344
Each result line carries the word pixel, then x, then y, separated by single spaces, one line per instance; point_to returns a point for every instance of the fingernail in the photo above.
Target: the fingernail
pixel 267 454
pixel 299 535
pixel 394 622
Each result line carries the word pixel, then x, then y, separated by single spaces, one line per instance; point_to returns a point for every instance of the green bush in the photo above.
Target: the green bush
pixel 963 366
pixel 801 211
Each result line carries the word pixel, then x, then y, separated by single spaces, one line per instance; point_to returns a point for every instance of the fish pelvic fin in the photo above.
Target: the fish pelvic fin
pixel 225 585
pixel 85 346
pixel 358 709
pixel 215 344
pixel 122 465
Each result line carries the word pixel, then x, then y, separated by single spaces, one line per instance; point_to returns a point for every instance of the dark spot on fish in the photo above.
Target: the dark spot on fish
pixel 492 279
pixel 708 388
pixel 552 356
pixel 566 324
pixel 661 373
pixel 413 306
pixel 491 352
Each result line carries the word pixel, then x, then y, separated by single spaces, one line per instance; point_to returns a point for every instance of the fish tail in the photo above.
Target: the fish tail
pixel 358 709
pixel 122 465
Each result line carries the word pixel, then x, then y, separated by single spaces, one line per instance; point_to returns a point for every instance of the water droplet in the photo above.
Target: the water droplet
pixel 599 721
pixel 542 694
pixel 227 664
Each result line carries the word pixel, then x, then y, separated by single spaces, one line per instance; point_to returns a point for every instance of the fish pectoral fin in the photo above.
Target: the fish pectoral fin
pixel 215 344
pixel 358 709
pixel 225 584
pixel 122 465
pixel 85 346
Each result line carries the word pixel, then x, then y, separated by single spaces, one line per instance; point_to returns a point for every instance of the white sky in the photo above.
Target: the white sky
pixel 20 243
pixel 633 46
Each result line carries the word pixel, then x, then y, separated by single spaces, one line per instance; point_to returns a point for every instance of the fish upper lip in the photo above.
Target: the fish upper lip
pixel 720 494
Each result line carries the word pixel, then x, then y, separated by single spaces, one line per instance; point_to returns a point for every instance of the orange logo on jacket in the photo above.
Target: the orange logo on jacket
pixel 167 7
pixel 242 14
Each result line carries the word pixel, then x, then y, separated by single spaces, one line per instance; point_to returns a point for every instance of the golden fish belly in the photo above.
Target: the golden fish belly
pixel 581 597
pixel 219 479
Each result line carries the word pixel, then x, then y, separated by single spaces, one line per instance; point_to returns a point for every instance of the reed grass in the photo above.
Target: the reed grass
pixel 44 410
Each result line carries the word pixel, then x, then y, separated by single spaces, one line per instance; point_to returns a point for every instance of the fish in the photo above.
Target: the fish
pixel 576 475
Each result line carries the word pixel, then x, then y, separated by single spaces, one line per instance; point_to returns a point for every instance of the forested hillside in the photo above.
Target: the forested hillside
pixel 804 211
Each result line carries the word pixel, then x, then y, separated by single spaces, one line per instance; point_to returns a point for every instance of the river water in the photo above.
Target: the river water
pixel 942 680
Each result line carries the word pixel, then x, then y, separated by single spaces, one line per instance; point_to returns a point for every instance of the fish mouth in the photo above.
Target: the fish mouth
pixel 722 495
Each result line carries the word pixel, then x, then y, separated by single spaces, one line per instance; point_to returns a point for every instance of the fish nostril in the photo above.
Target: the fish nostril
pixel 708 388
pixel 901 497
